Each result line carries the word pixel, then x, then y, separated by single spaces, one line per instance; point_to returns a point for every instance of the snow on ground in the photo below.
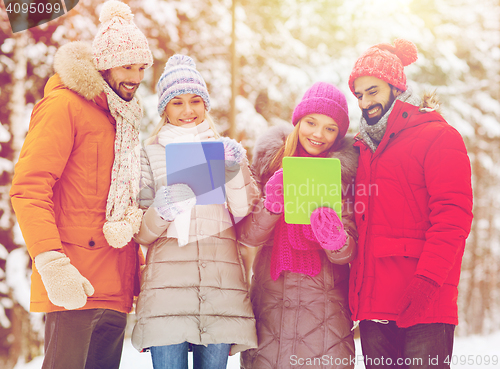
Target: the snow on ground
pixel 473 352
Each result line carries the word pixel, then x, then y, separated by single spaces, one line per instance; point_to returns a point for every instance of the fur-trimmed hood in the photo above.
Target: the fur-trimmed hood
pixel 77 72
pixel 430 102
pixel 271 141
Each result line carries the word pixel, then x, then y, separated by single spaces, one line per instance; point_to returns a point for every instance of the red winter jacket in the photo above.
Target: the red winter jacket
pixel 413 213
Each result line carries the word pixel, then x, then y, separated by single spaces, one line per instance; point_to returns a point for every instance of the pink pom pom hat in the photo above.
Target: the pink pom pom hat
pixel 385 62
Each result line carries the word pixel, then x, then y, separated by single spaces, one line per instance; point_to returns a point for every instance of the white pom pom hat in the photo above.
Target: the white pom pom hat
pixel 180 77
pixel 119 42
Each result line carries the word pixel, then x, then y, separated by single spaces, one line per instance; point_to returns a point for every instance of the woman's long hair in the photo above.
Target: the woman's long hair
pixel 288 149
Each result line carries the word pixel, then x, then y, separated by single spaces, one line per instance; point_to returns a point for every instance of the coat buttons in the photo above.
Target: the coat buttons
pixel 91 243
pixel 287 303
pixel 405 115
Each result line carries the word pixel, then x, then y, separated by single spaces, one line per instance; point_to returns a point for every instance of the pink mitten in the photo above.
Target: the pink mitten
pixel 328 228
pixel 275 201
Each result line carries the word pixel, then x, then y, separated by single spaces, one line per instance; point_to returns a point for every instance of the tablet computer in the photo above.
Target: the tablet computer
pixel 310 183
pixel 200 165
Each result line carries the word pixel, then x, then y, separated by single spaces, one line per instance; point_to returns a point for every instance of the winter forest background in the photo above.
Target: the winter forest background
pixel 283 46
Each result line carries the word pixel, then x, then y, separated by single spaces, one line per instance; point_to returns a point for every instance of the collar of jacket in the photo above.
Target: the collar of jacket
pixel 75 70
pixel 402 117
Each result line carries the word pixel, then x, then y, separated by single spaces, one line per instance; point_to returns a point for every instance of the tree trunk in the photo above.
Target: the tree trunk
pixel 18 337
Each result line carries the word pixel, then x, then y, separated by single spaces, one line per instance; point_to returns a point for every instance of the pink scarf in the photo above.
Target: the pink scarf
pixel 295 247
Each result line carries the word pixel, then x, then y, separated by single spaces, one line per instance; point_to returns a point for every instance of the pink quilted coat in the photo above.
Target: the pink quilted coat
pixel 300 318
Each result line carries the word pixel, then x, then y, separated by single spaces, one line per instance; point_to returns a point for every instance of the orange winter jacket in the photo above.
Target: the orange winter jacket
pixel 61 184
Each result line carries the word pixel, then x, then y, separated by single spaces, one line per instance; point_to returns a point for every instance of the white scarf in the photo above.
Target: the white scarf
pixel 123 216
pixel 169 134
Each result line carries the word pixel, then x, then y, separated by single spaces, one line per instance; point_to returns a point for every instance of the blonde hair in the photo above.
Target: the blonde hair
pixel 164 120
pixel 288 149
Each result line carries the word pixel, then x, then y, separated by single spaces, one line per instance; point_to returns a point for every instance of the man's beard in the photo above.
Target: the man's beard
pixel 123 93
pixel 383 109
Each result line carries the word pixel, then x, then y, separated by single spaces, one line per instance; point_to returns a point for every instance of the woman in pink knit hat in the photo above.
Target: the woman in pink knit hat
pixel 300 282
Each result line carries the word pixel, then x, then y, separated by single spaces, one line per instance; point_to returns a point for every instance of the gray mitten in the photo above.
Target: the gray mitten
pixel 65 285
pixel 233 151
pixel 170 201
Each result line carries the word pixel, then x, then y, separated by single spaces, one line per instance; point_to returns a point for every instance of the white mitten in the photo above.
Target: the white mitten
pixel 65 285
pixel 173 200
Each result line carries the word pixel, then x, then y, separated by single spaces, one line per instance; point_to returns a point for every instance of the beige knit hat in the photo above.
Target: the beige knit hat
pixel 119 41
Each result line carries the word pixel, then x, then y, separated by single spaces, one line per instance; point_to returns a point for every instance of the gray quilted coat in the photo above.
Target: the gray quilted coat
pixel 300 319
pixel 196 293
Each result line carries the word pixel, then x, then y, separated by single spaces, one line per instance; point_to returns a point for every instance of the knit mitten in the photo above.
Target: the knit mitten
pixel 119 233
pixel 65 285
pixel 170 201
pixel 233 151
pixel 275 202
pixel 328 228
pixel 415 301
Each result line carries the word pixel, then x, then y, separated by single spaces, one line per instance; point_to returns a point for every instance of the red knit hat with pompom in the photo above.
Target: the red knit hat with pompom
pixel 386 62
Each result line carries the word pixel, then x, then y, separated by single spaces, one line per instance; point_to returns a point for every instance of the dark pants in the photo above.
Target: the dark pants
pixel 84 339
pixel 420 346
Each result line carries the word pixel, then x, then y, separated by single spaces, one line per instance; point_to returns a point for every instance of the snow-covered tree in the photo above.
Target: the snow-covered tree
pixel 283 46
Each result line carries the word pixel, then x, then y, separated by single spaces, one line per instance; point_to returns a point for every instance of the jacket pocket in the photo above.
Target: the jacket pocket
pixel 105 268
pixel 407 247
pixel 409 195
pixel 92 166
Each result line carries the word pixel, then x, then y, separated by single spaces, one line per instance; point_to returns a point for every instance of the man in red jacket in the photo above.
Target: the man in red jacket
pixel 413 212
pixel 75 190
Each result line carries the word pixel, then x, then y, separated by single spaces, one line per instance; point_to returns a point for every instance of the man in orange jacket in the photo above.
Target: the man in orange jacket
pixel 75 193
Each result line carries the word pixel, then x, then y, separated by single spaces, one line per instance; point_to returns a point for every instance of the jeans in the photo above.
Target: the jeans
pixel 213 356
pixel 420 346
pixel 84 339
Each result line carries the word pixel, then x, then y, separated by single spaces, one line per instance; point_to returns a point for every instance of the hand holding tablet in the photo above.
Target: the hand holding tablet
pixel 308 184
pixel 201 166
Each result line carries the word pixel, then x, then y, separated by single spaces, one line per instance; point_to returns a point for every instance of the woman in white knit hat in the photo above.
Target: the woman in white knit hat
pixel 193 291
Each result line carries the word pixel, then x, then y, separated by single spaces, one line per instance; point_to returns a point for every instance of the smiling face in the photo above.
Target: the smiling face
pixel 317 133
pixel 375 97
pixel 125 80
pixel 186 110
